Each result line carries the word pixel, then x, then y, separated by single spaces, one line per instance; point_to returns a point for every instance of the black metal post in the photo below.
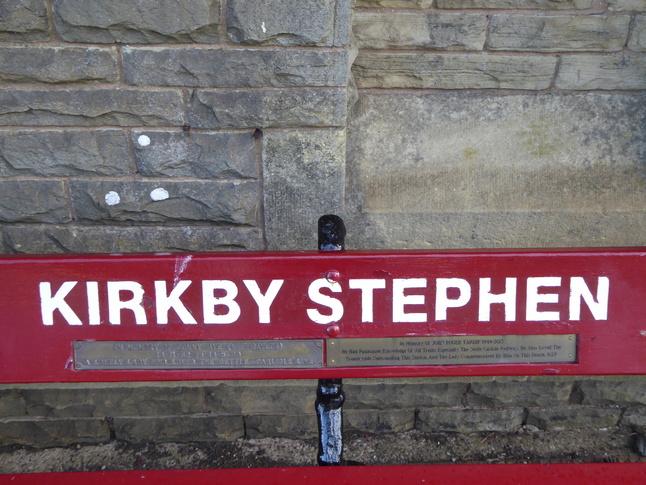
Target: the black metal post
pixel 329 393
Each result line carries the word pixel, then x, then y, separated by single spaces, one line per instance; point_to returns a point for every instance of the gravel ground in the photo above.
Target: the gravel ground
pixel 527 445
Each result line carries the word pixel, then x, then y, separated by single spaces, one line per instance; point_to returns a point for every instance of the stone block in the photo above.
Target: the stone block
pixel 300 426
pixel 44 433
pixel 379 421
pixel 33 201
pixel 105 201
pixel 261 398
pixel 35 239
pixel 25 64
pixel 205 155
pixel 137 21
pixel 615 71
pixel 402 394
pixel 452 71
pixel 517 4
pixel 394 3
pixel 626 6
pixel 64 153
pixel 638 37
pixel 304 178
pixel 182 429
pixel 12 405
pixel 609 392
pixel 91 107
pixel 635 417
pixel 556 419
pixel 519 393
pixel 283 22
pixel 267 108
pixel 558 33
pixel 196 67
pixel 23 21
pixel 469 420
pixel 406 30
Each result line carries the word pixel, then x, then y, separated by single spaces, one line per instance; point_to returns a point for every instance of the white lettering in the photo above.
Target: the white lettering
pixel 442 300
pixel 264 301
pixel 314 293
pixel 400 300
pixel 49 304
pixel 115 304
pixel 367 288
pixel 534 298
pixel 94 314
pixel 210 301
pixel 507 298
pixel 579 291
pixel 164 302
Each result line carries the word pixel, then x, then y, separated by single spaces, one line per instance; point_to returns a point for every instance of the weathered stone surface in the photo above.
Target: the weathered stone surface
pixel 377 421
pixel 57 64
pixel 33 201
pixel 299 426
pixel 452 71
pixel 558 33
pixel 194 154
pixel 134 399
pixel 43 433
pixel 463 420
pixel 35 239
pixel 446 31
pixel 304 178
pixel 165 201
pixel 394 3
pixel 23 20
pixel 638 38
pixel 267 108
pixel 636 418
pixel 64 153
pixel 12 404
pixel 605 392
pixel 402 394
pixel 282 22
pixel 234 68
pixel 626 6
pixel 262 397
pixel 137 21
pixel 554 419
pixel 90 107
pixel 517 4
pixel 178 428
pixel 519 393
pixel 579 72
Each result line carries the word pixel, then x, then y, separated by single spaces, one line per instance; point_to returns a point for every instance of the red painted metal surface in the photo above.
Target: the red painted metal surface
pixel 31 351
pixel 554 474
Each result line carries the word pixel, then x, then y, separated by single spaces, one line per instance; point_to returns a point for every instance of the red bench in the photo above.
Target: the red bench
pixel 326 315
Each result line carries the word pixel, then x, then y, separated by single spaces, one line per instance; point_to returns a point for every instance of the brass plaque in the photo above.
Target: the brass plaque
pixel 451 350
pixel 199 354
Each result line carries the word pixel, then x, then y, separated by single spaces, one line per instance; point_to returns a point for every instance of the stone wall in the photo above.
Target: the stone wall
pixel 140 125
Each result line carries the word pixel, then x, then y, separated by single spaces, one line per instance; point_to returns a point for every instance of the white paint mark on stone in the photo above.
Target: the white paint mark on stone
pixel 143 140
pixel 112 198
pixel 264 29
pixel 159 194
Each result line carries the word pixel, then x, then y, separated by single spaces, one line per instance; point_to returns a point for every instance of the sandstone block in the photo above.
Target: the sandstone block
pixel 44 433
pixel 626 6
pixel 195 154
pixel 35 239
pixel 558 33
pixel 403 394
pixel 203 68
pixel 555 419
pixel 463 420
pixel 267 108
pixel 12 404
pixel 636 418
pixel 304 178
pixel 64 153
pixel 517 4
pixel 445 31
pixel 145 201
pixel 300 426
pixel 519 393
pixel 638 38
pixel 137 21
pixel 90 107
pixel 452 71
pixel 394 3
pixel 280 22
pixel 178 428
pixel 379 421
pixel 33 201
pixel 607 392
pixel 24 64
pixel 582 72
pixel 23 20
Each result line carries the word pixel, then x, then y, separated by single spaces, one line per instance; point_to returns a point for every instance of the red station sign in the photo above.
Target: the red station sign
pixel 155 317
